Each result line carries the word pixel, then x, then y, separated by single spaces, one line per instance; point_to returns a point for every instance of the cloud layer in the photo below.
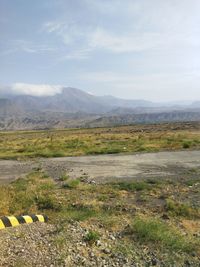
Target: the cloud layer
pixel 31 89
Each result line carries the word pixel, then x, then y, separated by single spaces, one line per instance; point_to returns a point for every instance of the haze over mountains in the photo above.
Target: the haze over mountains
pixel 76 108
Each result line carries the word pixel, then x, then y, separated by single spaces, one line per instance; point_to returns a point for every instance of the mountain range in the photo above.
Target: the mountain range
pixel 76 108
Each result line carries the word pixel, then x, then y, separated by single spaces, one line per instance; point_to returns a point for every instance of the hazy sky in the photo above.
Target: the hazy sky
pixel 146 49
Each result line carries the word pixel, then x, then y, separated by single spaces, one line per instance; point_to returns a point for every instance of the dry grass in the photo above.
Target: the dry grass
pixel 124 139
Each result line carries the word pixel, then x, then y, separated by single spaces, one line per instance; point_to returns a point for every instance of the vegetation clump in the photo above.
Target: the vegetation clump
pixel 133 186
pixel 154 230
pixel 63 177
pixel 72 184
pixel 92 236
pixel 181 209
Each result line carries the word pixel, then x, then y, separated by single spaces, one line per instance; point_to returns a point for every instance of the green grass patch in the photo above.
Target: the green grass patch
pixel 133 186
pixel 156 231
pixel 192 182
pixel 71 184
pixel 186 145
pixel 78 213
pixel 91 237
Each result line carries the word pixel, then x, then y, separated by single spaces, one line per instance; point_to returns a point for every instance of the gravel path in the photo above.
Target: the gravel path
pixel 103 168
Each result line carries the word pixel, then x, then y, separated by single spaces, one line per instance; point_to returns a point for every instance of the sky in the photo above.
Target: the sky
pixel 136 49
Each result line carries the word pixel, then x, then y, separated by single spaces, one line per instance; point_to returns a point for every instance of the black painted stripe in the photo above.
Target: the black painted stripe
pixel 45 218
pixel 34 218
pixel 20 219
pixel 6 222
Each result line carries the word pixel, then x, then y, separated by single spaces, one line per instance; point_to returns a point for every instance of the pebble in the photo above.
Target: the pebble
pixel 98 243
pixel 154 261
pixel 112 237
pixel 106 251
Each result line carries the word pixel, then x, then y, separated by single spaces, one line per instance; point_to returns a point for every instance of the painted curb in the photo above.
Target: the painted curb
pixel 12 221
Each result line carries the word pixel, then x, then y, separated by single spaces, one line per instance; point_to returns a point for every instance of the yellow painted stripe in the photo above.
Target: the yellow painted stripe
pixel 40 218
pixel 28 219
pixel 13 220
pixel 2 226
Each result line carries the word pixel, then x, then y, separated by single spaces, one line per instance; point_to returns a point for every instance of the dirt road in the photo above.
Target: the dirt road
pixel 102 168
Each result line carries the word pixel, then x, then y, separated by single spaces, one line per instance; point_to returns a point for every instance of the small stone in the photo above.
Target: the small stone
pixel 106 251
pixel 98 243
pixel 92 255
pixel 187 263
pixel 112 237
pixel 154 261
pixel 193 254
pixel 165 216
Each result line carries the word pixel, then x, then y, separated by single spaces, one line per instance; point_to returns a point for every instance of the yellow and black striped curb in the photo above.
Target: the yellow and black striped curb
pixel 9 221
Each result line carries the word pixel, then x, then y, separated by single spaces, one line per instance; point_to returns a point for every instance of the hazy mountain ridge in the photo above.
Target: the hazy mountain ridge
pixel 178 116
pixel 76 108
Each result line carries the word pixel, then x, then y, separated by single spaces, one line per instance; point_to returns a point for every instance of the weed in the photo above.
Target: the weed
pixel 133 186
pixel 192 182
pixel 20 184
pixel 78 213
pixel 71 184
pixel 186 145
pixel 46 186
pixel 181 209
pixel 22 202
pixel 47 203
pixel 91 237
pixel 63 177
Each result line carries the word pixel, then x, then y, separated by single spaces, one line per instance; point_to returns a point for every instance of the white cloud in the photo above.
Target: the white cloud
pixel 35 89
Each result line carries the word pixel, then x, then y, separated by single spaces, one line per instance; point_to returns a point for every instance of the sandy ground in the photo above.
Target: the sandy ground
pixel 105 168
